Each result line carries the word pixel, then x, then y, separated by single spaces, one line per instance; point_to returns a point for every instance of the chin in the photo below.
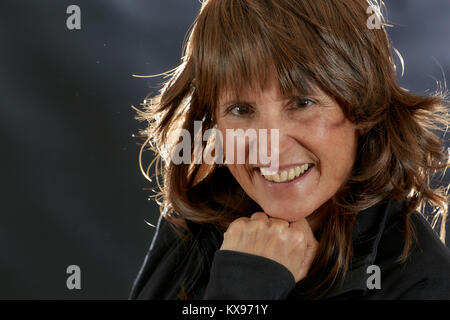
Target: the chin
pixel 287 212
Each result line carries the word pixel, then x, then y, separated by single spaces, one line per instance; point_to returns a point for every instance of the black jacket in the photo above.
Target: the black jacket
pixel 377 240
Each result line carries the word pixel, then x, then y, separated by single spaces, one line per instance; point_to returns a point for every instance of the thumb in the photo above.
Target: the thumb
pixel 303 226
pixel 312 244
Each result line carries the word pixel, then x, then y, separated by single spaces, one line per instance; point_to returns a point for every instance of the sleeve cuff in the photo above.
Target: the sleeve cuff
pixel 243 276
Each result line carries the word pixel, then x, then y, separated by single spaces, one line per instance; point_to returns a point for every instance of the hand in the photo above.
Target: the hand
pixel 290 244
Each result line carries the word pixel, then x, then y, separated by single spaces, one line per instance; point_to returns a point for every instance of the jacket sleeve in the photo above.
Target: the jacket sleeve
pixel 429 289
pixel 236 275
pixel 157 278
pixel 227 275
pixel 429 265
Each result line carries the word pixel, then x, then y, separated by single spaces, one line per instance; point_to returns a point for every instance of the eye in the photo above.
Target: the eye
pixel 303 103
pixel 239 110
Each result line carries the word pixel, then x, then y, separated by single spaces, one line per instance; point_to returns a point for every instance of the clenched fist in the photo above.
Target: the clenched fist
pixel 291 244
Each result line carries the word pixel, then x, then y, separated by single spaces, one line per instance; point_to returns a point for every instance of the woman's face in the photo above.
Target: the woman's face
pixel 312 130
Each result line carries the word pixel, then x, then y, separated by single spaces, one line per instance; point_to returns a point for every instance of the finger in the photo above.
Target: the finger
pixel 310 254
pixel 300 225
pixel 239 222
pixel 303 226
pixel 279 222
pixel 259 216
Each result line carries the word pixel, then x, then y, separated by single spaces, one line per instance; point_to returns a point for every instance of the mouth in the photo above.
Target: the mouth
pixel 286 175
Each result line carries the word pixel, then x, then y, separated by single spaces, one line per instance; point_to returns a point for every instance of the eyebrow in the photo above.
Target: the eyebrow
pixel 231 102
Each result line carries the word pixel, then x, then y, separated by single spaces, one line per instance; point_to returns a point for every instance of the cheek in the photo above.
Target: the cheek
pixel 234 169
pixel 237 152
pixel 241 176
pixel 222 128
pixel 336 146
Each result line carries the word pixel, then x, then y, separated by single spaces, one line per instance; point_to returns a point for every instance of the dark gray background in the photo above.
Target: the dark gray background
pixel 71 190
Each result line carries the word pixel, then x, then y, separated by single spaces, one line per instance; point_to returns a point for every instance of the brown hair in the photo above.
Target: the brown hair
pixel 232 45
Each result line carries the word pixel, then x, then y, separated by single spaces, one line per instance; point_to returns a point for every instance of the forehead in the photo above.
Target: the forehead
pixel 250 92
pixel 271 89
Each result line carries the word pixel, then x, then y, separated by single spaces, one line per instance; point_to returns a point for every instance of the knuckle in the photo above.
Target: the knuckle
pixel 227 234
pixel 258 215
pixel 258 225
pixel 298 236
pixel 237 224
pixel 241 221
pixel 278 228
pixel 300 224
pixel 278 225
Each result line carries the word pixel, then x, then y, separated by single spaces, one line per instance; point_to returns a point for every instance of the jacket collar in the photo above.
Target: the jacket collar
pixel 368 229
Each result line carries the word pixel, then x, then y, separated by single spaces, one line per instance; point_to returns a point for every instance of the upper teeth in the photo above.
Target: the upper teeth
pixel 286 175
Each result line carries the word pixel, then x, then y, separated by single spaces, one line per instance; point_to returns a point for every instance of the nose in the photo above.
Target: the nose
pixel 274 136
pixel 276 121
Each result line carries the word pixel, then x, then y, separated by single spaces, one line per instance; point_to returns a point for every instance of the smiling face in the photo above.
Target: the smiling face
pixel 313 130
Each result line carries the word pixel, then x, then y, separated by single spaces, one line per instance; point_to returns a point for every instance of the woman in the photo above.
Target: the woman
pixel 338 219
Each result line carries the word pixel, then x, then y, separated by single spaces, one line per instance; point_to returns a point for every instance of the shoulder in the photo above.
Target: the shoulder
pixel 165 247
pixel 175 257
pixel 425 272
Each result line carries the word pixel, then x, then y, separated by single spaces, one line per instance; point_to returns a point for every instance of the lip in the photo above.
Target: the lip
pixel 297 180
